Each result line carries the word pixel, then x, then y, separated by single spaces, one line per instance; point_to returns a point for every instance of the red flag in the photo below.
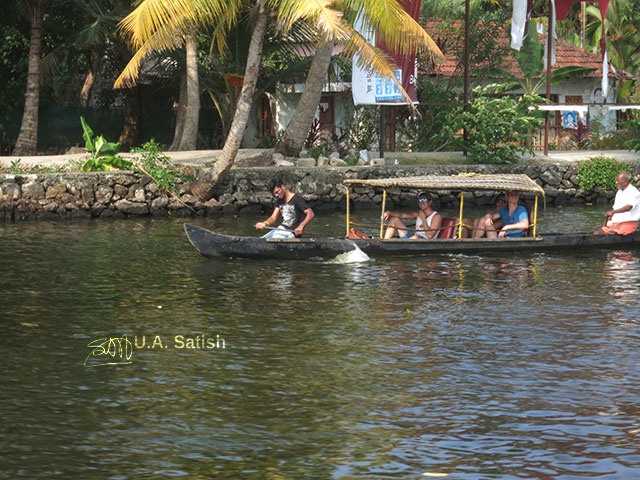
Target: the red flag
pixel 405 63
pixel 563 7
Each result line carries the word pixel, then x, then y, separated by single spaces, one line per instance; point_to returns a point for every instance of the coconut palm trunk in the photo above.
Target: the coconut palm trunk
pixel 131 128
pixel 180 115
pixel 189 135
pixel 89 80
pixel 27 141
pixel 298 127
pixel 203 187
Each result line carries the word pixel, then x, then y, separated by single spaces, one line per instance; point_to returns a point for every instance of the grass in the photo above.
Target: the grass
pixel 17 168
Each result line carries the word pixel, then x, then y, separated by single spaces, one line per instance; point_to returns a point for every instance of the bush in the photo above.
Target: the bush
pixel 363 127
pixel 634 127
pixel 102 153
pixel 497 128
pixel 422 134
pixel 600 172
pixel 157 165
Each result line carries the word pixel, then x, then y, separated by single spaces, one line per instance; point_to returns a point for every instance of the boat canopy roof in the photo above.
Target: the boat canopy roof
pixel 462 181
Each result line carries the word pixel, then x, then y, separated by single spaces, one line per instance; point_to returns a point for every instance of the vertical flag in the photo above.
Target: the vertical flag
pixel 519 22
pixel 369 87
pixel 562 8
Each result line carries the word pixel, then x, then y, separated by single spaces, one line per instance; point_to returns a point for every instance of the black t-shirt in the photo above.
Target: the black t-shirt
pixel 292 211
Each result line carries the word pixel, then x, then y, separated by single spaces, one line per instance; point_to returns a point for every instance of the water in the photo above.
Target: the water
pixel 473 367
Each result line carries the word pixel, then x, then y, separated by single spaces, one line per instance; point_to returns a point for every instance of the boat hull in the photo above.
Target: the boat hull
pixel 212 244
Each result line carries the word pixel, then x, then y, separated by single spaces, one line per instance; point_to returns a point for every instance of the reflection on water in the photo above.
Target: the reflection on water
pixel 621 273
pixel 483 366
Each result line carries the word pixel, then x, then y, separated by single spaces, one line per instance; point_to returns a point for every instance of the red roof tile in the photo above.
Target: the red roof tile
pixel 566 54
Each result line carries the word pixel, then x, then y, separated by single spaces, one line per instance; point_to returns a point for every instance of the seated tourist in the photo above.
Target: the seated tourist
pixel 476 231
pixel 514 220
pixel 428 221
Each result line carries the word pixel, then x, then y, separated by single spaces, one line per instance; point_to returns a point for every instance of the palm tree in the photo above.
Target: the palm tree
pixel 295 133
pixel 297 129
pixel 186 134
pixel 27 141
pixel 153 25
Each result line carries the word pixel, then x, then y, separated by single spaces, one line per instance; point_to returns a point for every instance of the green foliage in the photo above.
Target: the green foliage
pixel 267 141
pixel 15 166
pixel 153 162
pixel 421 133
pixel 634 127
pixel 608 141
pixel 531 54
pixel 351 159
pixel 600 172
pixel 497 128
pixel 485 28
pixel 103 153
pixel 318 151
pixel 363 127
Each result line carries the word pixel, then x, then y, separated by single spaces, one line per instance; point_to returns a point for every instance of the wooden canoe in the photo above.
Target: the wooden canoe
pixel 211 244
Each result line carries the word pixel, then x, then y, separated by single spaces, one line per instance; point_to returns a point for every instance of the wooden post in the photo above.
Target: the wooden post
pixel 384 205
pixel 392 128
pixel 466 64
pixel 383 110
pixel 546 115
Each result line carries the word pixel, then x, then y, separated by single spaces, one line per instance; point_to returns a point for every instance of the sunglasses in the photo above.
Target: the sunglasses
pixel 423 200
pixel 277 192
pixel 501 201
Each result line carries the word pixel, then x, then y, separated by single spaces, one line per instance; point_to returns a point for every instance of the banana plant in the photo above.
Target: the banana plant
pixel 103 153
pixel 530 60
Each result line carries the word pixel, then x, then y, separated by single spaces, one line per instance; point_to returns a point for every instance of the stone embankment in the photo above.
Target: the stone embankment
pixel 122 194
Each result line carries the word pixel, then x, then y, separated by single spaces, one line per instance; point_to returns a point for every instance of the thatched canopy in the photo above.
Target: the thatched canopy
pixel 463 181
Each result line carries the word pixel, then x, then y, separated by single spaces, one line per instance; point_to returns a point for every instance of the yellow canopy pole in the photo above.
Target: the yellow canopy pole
pixel 348 212
pixel 535 216
pixel 384 205
pixel 460 220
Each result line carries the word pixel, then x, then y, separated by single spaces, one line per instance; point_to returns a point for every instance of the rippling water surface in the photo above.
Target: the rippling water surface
pixel 473 367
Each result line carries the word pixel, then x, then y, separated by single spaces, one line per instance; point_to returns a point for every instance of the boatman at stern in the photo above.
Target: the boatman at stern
pixel 623 219
pixel 296 214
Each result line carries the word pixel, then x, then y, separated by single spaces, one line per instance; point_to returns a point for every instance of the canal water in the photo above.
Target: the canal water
pixel 127 355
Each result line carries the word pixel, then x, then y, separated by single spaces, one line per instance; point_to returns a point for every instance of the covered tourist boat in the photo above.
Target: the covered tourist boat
pixel 212 244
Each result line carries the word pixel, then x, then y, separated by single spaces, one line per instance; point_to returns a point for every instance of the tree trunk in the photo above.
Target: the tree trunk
pixel 130 130
pixel 89 80
pixel 203 187
pixel 27 141
pixel 298 127
pixel 180 115
pixel 192 112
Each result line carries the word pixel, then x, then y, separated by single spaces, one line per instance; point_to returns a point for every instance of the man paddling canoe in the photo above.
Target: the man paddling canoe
pixel 623 219
pixel 296 214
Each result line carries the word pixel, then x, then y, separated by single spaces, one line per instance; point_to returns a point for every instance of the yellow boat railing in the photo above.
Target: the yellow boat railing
pixel 459 225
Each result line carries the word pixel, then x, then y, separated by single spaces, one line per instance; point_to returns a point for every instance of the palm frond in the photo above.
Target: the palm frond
pixel 327 20
pixel 373 58
pixel 182 15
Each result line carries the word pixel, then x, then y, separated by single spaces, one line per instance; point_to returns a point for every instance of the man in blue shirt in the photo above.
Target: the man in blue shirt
pixel 515 219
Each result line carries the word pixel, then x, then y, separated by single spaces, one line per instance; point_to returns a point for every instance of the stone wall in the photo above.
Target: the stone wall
pixel 244 191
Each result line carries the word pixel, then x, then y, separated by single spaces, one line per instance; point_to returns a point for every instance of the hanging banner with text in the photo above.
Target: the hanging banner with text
pixel 369 87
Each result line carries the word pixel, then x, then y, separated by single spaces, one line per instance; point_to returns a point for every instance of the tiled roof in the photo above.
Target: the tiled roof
pixel 566 54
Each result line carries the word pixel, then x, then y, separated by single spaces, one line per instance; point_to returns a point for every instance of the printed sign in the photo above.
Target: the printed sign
pixel 371 88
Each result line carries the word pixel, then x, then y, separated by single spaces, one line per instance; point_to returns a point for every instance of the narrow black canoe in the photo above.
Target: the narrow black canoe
pixel 212 244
